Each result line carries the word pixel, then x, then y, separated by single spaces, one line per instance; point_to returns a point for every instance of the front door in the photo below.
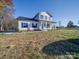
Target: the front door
pixel 44 26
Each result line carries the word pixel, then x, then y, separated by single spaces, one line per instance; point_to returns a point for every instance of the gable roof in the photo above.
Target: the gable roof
pixel 49 14
pixel 40 12
pixel 25 18
pixel 36 15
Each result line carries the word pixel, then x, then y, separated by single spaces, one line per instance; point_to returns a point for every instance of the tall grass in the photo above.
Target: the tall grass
pixel 28 45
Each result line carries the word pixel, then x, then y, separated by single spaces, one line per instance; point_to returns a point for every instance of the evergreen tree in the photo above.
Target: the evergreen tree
pixel 70 24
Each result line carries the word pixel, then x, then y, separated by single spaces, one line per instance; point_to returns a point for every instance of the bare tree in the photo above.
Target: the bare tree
pixel 6 11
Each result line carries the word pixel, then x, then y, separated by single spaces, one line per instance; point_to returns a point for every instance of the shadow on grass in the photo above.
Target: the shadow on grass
pixel 63 47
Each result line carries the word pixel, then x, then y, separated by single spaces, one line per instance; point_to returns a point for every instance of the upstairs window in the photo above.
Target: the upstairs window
pixel 46 17
pixel 41 16
pixel 24 25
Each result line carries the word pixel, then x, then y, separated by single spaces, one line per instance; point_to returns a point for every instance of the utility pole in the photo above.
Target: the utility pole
pixel 59 24
pixel 78 22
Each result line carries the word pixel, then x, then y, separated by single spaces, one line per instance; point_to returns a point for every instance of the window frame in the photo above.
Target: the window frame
pixel 41 17
pixel 34 25
pixel 46 17
pixel 48 25
pixel 24 25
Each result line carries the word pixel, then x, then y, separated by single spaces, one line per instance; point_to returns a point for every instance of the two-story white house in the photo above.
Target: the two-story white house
pixel 41 21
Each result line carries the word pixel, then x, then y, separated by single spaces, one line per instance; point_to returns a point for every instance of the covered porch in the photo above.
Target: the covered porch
pixel 46 25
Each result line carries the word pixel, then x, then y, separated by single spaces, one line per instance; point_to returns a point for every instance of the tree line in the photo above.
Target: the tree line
pixel 70 24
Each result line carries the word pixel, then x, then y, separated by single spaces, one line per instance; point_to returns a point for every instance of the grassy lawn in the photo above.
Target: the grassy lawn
pixel 28 45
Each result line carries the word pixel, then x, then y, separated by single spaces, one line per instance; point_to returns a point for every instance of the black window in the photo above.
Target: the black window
pixel 24 25
pixel 34 25
pixel 48 25
pixel 44 25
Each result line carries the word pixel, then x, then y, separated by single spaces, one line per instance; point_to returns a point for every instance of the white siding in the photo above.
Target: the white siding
pixel 45 15
pixel 29 25
pixel 20 25
pixel 41 21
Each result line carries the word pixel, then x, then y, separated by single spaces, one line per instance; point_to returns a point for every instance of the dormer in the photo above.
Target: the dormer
pixel 43 16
